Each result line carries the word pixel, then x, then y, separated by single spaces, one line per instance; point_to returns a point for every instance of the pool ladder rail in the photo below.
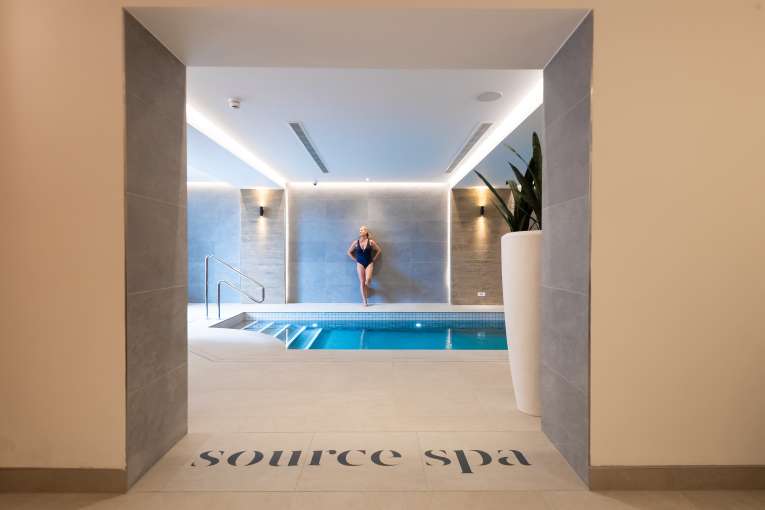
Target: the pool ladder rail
pixel 237 288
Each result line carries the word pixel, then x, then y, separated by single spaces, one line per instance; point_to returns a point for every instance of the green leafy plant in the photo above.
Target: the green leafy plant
pixel 525 210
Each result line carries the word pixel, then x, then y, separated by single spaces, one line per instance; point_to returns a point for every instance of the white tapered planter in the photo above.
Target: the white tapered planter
pixel 521 294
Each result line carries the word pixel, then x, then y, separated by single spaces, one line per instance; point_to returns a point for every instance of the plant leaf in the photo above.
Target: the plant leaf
pixel 527 193
pixel 502 204
pixel 536 163
pixel 516 153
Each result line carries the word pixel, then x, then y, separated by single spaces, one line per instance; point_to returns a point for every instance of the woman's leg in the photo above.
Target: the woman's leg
pixel 368 274
pixel 362 286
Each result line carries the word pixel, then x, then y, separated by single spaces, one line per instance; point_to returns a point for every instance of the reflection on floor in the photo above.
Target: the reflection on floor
pixel 270 428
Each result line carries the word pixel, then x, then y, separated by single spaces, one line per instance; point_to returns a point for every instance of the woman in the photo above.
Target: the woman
pixel 364 251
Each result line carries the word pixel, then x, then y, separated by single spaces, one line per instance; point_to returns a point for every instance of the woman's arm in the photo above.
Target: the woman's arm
pixel 351 250
pixel 377 248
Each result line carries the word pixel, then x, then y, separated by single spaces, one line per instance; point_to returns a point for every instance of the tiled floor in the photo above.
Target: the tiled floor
pixel 248 394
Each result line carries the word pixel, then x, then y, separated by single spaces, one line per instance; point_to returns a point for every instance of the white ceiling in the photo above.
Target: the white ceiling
pixel 367 38
pixel 381 124
pixel 209 162
pixel 384 94
pixel 494 166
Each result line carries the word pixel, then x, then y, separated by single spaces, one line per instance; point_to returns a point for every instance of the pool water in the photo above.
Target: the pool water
pixel 383 334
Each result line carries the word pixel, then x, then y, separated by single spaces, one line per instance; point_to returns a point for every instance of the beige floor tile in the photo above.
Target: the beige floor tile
pixel 155 501
pixel 516 500
pixel 547 470
pixel 637 500
pixel 406 475
pixel 436 403
pixel 361 501
pixel 176 459
pixel 729 500
pixel 347 420
pixel 205 475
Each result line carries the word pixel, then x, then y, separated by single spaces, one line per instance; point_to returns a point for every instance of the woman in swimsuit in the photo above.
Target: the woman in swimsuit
pixel 364 251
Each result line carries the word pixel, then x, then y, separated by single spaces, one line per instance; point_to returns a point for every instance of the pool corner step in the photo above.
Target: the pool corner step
pixel 290 337
pixel 262 327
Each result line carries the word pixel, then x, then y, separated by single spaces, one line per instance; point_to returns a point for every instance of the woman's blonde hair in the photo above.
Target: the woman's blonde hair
pixel 369 234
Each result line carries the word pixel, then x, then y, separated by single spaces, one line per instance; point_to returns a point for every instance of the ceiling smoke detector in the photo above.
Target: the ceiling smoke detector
pixel 489 96
pixel 234 103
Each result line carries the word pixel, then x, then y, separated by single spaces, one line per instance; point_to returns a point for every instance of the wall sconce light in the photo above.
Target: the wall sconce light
pixel 262 210
pixel 482 210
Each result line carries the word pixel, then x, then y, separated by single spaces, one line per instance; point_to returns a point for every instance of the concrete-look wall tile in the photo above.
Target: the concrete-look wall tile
pixel 155 244
pixel 568 76
pixel 567 162
pixel 430 230
pixel 346 209
pixel 307 251
pixel 213 229
pixel 304 208
pixel 565 415
pixel 156 154
pixel 565 335
pixel 157 417
pixel 429 208
pixel 156 332
pixel 156 257
pixel 409 225
pixel 387 209
pixel 388 233
pixel 334 250
pixel 566 246
pixel 153 73
pixel 428 251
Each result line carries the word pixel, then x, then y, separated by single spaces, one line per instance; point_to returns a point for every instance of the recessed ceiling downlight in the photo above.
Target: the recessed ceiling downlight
pixel 489 96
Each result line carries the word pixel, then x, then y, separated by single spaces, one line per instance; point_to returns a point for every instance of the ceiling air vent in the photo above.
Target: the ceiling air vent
pixel 477 134
pixel 303 137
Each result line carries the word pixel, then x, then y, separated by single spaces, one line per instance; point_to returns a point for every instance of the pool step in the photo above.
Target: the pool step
pixel 274 328
pixel 246 324
pixel 313 338
pixel 261 326
pixel 305 339
pixel 290 335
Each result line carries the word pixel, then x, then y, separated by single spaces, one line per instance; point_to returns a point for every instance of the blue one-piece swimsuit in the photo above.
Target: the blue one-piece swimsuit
pixel 364 256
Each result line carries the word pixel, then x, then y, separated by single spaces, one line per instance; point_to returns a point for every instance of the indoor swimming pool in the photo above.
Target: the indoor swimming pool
pixel 385 334
pixel 376 330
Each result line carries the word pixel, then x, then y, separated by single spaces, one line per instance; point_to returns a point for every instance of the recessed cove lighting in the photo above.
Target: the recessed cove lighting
pixel 523 109
pixel 211 130
pixel 489 96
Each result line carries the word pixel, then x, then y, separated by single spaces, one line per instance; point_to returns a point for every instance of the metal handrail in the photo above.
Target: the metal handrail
pixel 235 287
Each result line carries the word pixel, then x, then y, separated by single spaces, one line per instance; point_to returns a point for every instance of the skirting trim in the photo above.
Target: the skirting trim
pixel 677 477
pixel 62 480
